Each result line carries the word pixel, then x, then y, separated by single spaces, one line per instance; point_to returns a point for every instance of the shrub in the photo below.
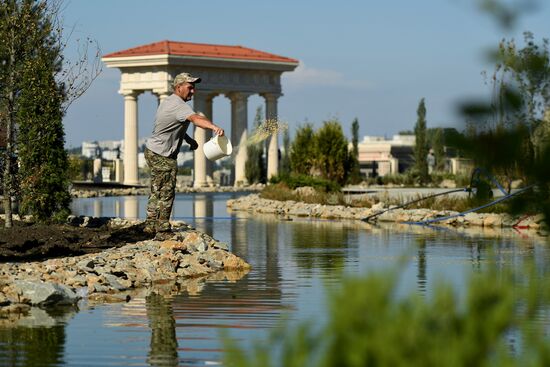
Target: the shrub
pixel 302 150
pixel 294 181
pixel 332 157
pixel 497 323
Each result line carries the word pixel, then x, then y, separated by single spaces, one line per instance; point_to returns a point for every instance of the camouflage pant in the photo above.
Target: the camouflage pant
pixel 163 186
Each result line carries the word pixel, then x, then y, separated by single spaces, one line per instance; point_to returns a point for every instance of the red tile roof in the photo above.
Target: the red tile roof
pixel 200 50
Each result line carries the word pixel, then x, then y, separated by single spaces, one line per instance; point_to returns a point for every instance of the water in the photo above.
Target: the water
pixel 295 263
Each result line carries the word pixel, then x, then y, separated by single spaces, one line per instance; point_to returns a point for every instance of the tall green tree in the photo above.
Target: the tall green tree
pixel 41 138
pixel 439 150
pixel 512 135
pixel 255 169
pixel 14 23
pixel 421 145
pixel 302 150
pixel 521 84
pixel 355 172
pixel 36 87
pixel 332 152
pixel 285 156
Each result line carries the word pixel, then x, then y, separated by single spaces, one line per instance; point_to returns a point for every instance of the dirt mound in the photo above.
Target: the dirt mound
pixel 32 241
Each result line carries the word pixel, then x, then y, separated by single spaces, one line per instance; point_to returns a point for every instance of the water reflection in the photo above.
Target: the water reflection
pixel 185 317
pixel 131 207
pixel 203 207
pixel 292 261
pixel 34 338
pixel 421 266
pixel 321 245
pixel 164 345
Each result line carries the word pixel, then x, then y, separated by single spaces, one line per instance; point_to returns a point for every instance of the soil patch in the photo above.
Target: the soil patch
pixel 32 241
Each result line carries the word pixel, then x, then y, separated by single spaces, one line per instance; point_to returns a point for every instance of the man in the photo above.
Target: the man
pixel 161 149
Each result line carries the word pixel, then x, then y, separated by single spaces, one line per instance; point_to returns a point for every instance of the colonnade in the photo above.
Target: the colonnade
pixel 203 103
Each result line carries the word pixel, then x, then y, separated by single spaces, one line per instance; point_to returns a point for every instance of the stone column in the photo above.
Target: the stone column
pixel 208 111
pixel 273 147
pixel 97 171
pixel 239 134
pixel 119 170
pixel 161 97
pixel 131 207
pixel 130 138
pixel 199 134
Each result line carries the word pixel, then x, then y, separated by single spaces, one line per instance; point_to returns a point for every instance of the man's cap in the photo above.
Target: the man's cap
pixel 185 78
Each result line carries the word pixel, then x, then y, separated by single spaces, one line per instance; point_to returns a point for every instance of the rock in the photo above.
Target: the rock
pixel 45 294
pixel 221 245
pixel 305 191
pixel 173 245
pixel 86 266
pixel 97 288
pixel 234 262
pixel 194 242
pixel 113 281
pixel 448 184
pixel 492 220
pixel 474 219
pixel 15 308
pixel 108 298
pixel 516 184
pixel 4 301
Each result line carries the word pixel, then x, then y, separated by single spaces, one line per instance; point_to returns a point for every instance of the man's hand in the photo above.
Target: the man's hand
pixel 193 145
pixel 218 131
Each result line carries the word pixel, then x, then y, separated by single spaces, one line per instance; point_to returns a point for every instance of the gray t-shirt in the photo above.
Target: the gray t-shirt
pixel 170 126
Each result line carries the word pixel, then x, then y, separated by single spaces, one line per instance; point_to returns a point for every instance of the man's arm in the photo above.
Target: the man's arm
pixel 205 123
pixel 193 145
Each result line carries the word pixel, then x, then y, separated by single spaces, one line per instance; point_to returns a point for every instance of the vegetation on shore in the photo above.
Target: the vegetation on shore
pixel 37 84
pixel 318 195
pixel 369 323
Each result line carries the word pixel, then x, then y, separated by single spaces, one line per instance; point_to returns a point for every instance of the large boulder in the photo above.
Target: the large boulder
pixel 38 293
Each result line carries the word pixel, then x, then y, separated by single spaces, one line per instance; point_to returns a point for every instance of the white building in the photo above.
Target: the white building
pixel 91 149
pixel 141 160
pixel 184 157
pixel 111 154
pixel 379 156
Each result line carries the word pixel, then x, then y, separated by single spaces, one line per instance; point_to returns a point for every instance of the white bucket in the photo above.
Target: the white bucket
pixel 217 147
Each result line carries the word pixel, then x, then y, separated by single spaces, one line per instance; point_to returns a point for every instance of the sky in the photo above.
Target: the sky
pixel 367 59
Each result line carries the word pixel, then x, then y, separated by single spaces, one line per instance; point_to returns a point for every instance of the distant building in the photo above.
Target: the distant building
pixel 379 156
pixel 91 149
pixel 141 160
pixel 111 144
pixel 111 154
pixel 184 157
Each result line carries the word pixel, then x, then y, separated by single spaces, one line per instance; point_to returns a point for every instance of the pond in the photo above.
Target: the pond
pixel 294 264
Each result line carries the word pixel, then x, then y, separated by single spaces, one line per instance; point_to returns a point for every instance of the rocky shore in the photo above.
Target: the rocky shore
pixel 102 192
pixel 287 209
pixel 183 254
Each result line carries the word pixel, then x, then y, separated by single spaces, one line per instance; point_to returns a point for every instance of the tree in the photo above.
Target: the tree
pixel 355 172
pixel 255 169
pixel 36 87
pixel 285 157
pixel 42 157
pixel 521 83
pixel 421 146
pixel 302 150
pixel 17 31
pixel 332 153
pixel 439 151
